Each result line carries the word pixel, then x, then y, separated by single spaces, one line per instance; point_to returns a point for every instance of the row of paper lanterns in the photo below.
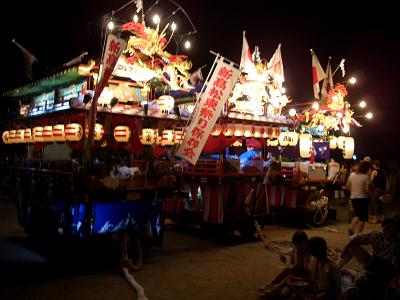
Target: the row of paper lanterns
pixel 248 131
pixel 346 144
pixel 58 133
pixel 74 132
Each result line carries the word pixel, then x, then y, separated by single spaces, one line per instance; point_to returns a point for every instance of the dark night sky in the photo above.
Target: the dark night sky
pixel 366 36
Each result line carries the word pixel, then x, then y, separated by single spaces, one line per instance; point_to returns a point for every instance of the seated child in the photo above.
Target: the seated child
pixel 299 258
pixel 324 280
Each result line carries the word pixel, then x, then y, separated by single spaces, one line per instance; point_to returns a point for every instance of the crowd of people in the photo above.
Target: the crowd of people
pixel 313 274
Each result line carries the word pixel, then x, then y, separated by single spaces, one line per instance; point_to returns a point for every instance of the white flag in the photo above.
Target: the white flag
pixel 29 59
pixel 246 61
pixel 196 76
pixel 341 65
pixel 327 84
pixel 139 5
pixel 275 66
pixel 317 73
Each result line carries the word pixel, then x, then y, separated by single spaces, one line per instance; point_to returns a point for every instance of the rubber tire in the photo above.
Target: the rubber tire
pixel 131 251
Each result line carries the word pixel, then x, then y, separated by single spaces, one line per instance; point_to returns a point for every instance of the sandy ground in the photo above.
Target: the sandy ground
pixel 188 266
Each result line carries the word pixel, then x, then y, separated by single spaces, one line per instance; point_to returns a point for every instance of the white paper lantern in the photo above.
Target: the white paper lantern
pixel 348 149
pixel 98 132
pixel 168 137
pixel 47 134
pixel 258 132
pixel 28 137
pixel 249 131
pixel 73 132
pixel 122 134
pixel 228 129
pixel 11 136
pixel 5 136
pixel 238 130
pixel 293 138
pixel 340 142
pixel 283 139
pixel 149 136
pixel 59 133
pixel 305 145
pixel 273 142
pixel 179 135
pixel 19 136
pixel 265 134
pixel 37 134
pixel 217 129
pixel 332 142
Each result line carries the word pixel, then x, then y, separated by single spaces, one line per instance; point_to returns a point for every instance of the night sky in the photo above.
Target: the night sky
pixel 365 35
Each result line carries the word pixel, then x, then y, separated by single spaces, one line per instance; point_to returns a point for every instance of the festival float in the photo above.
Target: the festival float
pixel 114 150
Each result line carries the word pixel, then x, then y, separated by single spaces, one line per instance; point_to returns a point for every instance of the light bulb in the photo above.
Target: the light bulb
pixel 110 25
pixel 187 45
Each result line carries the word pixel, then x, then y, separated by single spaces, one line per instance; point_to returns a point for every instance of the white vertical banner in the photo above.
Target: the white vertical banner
pixel 208 110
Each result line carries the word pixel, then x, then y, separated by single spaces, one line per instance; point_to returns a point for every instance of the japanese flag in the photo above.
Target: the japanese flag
pixel 275 66
pixel 246 61
pixel 317 73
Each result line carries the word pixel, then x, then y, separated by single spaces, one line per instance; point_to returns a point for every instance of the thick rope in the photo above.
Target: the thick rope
pixel 136 286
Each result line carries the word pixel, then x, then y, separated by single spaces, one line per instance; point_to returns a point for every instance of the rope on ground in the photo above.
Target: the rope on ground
pixel 133 283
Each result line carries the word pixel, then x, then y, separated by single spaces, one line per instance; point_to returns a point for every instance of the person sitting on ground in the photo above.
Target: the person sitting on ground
pixel 299 258
pixel 358 184
pixel 384 242
pixel 324 280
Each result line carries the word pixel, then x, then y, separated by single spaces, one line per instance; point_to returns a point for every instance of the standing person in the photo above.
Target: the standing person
pixel 358 184
pixel 379 186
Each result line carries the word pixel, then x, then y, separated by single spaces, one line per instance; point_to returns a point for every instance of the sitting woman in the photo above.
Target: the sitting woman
pixel 299 259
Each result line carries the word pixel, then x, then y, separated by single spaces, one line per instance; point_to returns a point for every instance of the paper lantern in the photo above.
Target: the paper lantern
pixel 37 134
pixel 340 142
pixel 228 129
pixel 348 148
pixel 273 143
pixel 47 133
pixel 11 136
pixel 168 137
pixel 19 136
pixel 305 145
pixel 249 131
pixel 238 130
pixel 275 133
pixel 283 139
pixel 73 132
pixel 165 103
pixel 179 134
pixel 217 129
pixel 5 136
pixel 122 134
pixel 28 137
pixel 258 132
pixel 148 136
pixel 59 133
pixel 98 131
pixel 332 142
pixel 265 132
pixel 293 138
